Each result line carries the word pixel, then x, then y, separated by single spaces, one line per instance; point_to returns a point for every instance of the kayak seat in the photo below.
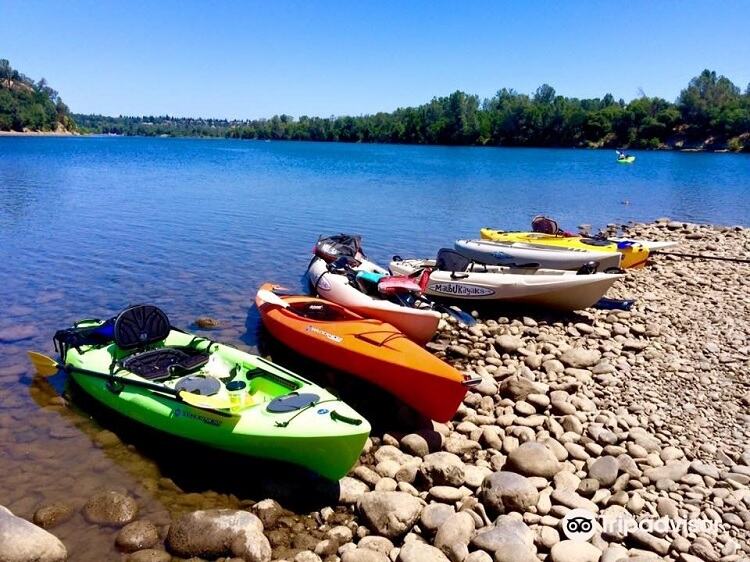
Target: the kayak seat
pixel 545 225
pixel 317 311
pixel 163 363
pixel 140 326
pixel 450 260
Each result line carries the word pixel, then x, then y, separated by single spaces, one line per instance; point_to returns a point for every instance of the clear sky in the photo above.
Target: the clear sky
pixel 246 59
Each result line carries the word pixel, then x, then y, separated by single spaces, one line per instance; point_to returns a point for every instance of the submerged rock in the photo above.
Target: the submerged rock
pixel 137 535
pixel 110 509
pixel 53 514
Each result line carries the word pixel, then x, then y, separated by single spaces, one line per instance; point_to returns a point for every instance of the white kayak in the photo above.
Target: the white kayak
pixel 550 288
pixel 419 324
pixel 523 253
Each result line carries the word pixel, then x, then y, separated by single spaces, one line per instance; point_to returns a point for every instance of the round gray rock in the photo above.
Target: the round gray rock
pixel 434 515
pixel 443 468
pixel 604 469
pixel 505 491
pixel 415 551
pixel 574 551
pixel 508 531
pixel 534 459
pixel 390 514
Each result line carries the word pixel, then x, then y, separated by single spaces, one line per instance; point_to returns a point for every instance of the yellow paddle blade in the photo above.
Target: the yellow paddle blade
pixel 212 402
pixel 45 366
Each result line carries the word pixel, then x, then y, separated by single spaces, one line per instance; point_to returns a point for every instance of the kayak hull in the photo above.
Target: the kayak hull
pixel 626 160
pixel 372 350
pixel 419 324
pixel 520 253
pixel 633 253
pixel 313 439
pixel 548 288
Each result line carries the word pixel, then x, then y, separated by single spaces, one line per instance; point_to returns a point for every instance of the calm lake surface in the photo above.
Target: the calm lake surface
pixel 90 225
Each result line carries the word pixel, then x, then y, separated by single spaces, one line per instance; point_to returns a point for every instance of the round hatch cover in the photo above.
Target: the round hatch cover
pixel 198 384
pixel 292 402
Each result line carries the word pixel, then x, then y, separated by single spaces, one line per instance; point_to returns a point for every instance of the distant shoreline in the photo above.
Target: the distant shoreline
pixel 722 150
pixel 38 134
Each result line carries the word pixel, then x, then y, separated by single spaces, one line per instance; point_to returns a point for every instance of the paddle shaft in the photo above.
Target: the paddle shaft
pixel 700 256
pixel 140 384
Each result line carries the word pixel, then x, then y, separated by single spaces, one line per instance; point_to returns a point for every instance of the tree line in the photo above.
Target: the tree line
pixel 29 105
pixel 710 111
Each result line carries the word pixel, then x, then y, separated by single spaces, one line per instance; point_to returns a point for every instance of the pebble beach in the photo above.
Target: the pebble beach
pixel 640 418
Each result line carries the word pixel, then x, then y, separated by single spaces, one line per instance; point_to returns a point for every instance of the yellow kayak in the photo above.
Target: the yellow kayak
pixel 634 254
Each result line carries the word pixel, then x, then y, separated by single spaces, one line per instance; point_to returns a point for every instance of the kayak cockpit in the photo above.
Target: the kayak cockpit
pixel 322 311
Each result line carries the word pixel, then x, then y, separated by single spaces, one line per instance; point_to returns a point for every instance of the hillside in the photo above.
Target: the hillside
pixel 26 105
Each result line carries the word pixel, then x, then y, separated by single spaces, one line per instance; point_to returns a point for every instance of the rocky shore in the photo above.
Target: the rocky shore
pixel 639 418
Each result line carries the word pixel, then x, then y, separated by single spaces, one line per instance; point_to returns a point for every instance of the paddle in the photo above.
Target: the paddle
pixel 46 367
pixel 700 256
pixel 272 298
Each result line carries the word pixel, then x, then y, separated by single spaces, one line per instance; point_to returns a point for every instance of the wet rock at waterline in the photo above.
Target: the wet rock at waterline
pixel 219 532
pixel 21 541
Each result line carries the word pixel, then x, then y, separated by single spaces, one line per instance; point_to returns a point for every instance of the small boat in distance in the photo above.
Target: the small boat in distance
pixel 624 158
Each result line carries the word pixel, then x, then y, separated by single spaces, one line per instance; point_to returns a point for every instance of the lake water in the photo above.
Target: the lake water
pixel 89 225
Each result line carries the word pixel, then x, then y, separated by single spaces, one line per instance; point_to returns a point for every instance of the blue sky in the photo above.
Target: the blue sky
pixel 248 59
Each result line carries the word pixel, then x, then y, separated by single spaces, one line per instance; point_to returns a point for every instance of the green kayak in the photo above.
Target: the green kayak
pixel 626 160
pixel 139 365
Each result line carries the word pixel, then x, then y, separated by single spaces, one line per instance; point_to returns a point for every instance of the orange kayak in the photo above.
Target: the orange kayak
pixel 370 349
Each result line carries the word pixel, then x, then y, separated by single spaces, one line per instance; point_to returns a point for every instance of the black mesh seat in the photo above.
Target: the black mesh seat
pixel 450 260
pixel 163 363
pixel 138 327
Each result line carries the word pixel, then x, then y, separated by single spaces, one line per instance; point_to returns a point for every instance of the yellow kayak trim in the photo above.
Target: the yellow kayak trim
pixel 634 255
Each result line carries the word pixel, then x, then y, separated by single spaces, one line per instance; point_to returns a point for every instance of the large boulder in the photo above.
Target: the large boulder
pixel 110 508
pixel 215 533
pixel 21 541
pixel 505 491
pixel 390 514
pixel 534 459
pixel 443 469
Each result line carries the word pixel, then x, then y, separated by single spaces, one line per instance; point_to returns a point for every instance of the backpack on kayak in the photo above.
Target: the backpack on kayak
pixel 331 248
